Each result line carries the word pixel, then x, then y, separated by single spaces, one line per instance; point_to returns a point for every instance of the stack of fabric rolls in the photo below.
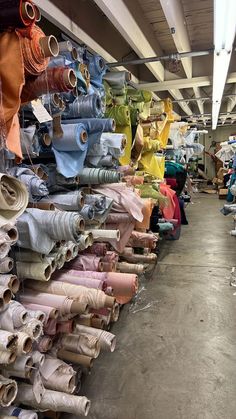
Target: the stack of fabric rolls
pixel 80 213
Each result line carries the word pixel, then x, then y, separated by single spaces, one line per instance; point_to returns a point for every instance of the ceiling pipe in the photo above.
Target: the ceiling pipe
pixel 176 56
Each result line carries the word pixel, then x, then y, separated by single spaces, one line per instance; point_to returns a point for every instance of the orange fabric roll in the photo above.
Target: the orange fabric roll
pixel 147 212
pixel 124 286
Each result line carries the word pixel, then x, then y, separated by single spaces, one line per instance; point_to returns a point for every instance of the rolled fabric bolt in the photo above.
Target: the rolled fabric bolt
pixel 23 255
pixel 124 285
pixel 136 258
pixel 233 233
pixel 5 295
pixel 68 202
pixel 18 315
pixel 11 282
pixel 6 265
pixel 130 268
pixel 50 312
pixel 50 328
pixel 34 328
pixel 8 341
pixel 8 389
pixel 104 235
pixel 38 271
pixel 38 170
pixel 69 356
pixel 106 339
pixel 65 327
pixel 89 283
pixel 53 400
pixel 81 344
pixel 39 315
pixel 98 176
pixel 98 249
pixel 62 303
pixel 45 344
pixel 11 231
pixel 38 358
pixel 85 106
pixel 24 343
pixel 7 358
pixel 104 316
pixel 13 199
pixel 22 367
pixel 109 266
pixel 60 382
pixel 88 212
pixel 21 413
pixel 65 46
pixel 5 416
pixel 97 323
pixel 94 298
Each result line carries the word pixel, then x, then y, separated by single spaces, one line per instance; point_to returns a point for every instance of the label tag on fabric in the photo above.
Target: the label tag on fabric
pixel 40 112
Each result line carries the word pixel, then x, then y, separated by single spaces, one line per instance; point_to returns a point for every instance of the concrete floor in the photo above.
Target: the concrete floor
pixel 177 359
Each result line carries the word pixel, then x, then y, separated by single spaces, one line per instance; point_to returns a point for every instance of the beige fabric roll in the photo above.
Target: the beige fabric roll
pixel 94 298
pixel 35 270
pixel 62 303
pixel 25 255
pixel 21 368
pixel 115 312
pixel 25 343
pixel 106 339
pixel 7 357
pixel 10 281
pixel 53 400
pixel 57 375
pixel 8 391
pixel 11 231
pixel 34 328
pixel 104 235
pixel 130 268
pixel 84 344
pixel 6 265
pixel 8 341
pixel 50 312
pixel 13 199
pixel 74 358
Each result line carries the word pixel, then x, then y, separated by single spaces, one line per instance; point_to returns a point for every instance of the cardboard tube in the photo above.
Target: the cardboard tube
pixel 74 54
pixel 42 205
pixel 49 46
pixel 24 343
pixel 68 356
pixel 69 77
pixel 5 294
pixel 37 13
pixel 28 11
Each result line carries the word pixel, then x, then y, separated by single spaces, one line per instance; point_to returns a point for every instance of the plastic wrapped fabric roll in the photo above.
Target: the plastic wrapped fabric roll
pixel 38 358
pixel 85 106
pixel 8 389
pixel 21 367
pixel 38 271
pixel 53 80
pixel 50 312
pixel 83 344
pixel 14 317
pixel 125 267
pixel 13 199
pixel 70 149
pixel 11 233
pixel 74 358
pixel 11 282
pixel 106 339
pixel 117 79
pixel 8 341
pixel 24 343
pixel 35 49
pixel 7 358
pixel 71 201
pixel 34 328
pixel 20 413
pixel 94 298
pixel 53 400
pixel 6 265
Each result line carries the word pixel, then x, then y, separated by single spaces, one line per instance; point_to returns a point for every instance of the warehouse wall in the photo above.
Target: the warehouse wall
pixel 218 135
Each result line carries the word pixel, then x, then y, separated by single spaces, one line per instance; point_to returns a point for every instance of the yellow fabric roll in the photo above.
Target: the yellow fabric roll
pixel 150 145
pixel 153 165
pixel 125 129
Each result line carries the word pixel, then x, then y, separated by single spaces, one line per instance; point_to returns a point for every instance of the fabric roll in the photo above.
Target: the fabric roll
pixel 8 341
pixel 94 298
pixel 8 389
pixel 137 258
pixel 65 326
pixel 116 218
pixel 85 106
pixel 7 358
pixel 6 265
pixel 117 79
pixel 86 262
pixel 18 315
pixel 57 375
pixel 63 303
pixel 70 149
pixel 98 176
pixel 106 339
pixel 33 327
pixel 5 296
pixel 125 267
pixel 98 249
pixel 95 125
pixel 38 271
pixel 38 315
pixel 11 233
pixel 44 344
pixel 38 358
pixel 11 282
pixel 13 199
pixel 16 16
pixel 124 286
pixel 72 357
pixel 71 201
pixel 36 187
pixel 25 343
pixel 23 255
pixel 19 413
pixel 53 400
pixel 50 312
pixel 87 212
pixel 138 239
pixel 21 367
pixel 85 282
pixel 84 344
pixel 106 235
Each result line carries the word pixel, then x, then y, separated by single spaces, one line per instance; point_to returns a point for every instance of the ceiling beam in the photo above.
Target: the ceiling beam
pixel 183 83
pixel 174 15
pixel 120 16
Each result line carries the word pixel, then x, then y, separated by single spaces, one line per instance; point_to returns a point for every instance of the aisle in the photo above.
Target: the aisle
pixel 177 359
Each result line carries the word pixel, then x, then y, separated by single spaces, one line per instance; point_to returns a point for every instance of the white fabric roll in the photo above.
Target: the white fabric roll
pixel 8 341
pixel 106 339
pixel 34 328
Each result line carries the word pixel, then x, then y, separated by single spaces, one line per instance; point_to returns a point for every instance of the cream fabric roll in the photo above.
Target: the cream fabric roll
pixel 11 231
pixel 62 303
pixel 104 235
pixel 10 281
pixel 8 341
pixel 34 328
pixel 57 375
pixel 35 270
pixel 133 268
pixel 84 344
pixel 53 400
pixel 7 357
pixel 21 368
pixel 25 343
pixel 94 298
pixel 8 391
pixel 25 255
pixel 13 198
pixel 13 317
pixel 106 339
pixel 6 265
pixel 37 314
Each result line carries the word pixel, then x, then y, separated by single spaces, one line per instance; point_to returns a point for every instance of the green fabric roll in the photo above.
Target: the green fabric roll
pixel 139 95
pixel 120 114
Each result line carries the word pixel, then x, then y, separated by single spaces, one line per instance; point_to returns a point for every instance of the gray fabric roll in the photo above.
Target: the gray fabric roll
pixel 71 201
pixel 36 186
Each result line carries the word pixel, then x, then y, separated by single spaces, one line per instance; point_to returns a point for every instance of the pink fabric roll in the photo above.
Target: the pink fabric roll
pixel 50 312
pixel 117 218
pixel 111 257
pixel 62 303
pixel 50 328
pixel 98 249
pixel 85 274
pixel 124 286
pixel 65 327
pixel 85 262
pixel 86 282
pixel 138 239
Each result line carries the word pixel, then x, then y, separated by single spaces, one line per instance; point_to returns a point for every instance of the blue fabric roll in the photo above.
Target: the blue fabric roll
pixel 94 125
pixel 70 151
pixel 84 106
pixel 97 68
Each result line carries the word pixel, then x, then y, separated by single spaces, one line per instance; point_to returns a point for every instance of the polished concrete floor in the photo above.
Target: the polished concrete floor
pixel 176 359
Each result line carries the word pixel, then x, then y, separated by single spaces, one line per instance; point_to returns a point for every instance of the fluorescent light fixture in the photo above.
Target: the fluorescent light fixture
pixel 224 34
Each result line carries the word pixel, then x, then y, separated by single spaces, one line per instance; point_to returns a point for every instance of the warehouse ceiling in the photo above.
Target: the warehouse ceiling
pixel 124 30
